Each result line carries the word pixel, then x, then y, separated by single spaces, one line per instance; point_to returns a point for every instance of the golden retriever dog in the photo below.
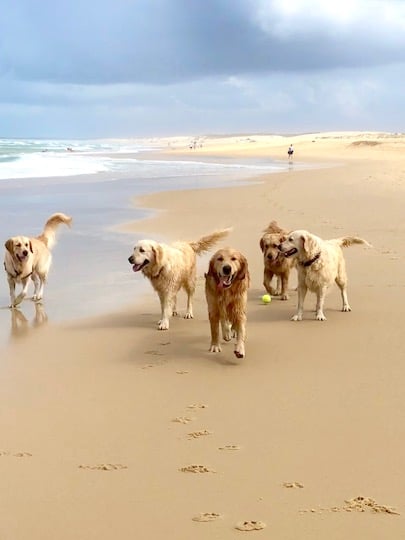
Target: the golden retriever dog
pixel 170 268
pixel 226 285
pixel 30 258
pixel 275 262
pixel 319 264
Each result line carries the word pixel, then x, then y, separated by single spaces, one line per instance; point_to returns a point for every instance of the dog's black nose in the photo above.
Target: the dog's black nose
pixel 131 259
pixel 25 252
pixel 270 257
pixel 226 269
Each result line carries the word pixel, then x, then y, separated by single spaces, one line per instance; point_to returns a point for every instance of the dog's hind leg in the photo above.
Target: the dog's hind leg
pixel 37 284
pixel 226 327
pixel 189 288
pixel 174 307
pixel 284 287
pixel 302 292
pixel 341 282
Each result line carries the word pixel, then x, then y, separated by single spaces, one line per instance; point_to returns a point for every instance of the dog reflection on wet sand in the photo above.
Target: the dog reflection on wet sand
pixel 21 326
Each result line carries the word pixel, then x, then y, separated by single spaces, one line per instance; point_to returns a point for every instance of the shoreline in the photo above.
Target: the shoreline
pixel 317 405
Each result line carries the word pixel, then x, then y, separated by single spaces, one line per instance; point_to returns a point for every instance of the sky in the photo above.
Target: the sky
pixel 150 68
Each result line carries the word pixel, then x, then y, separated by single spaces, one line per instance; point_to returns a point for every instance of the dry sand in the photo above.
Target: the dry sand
pixel 111 429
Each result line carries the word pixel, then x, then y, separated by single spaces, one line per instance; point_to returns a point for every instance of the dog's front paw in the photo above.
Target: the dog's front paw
pixel 284 296
pixel 346 308
pixel 227 332
pixel 174 313
pixel 215 348
pixel 188 315
pixel 239 352
pixel 163 324
pixel 320 316
pixel 297 317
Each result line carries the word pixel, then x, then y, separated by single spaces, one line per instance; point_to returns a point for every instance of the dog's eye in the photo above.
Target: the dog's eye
pixel 274 245
pixel 141 250
pixel 233 258
pixel 18 245
pixel 26 244
pixel 291 239
pixel 220 259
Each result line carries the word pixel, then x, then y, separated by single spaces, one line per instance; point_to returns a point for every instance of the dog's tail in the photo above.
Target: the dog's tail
pixel 347 241
pixel 48 235
pixel 206 242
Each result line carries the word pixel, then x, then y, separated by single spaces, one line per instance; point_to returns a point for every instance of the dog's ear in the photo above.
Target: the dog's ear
pixel 309 244
pixel 262 244
pixel 32 251
pixel 158 252
pixel 243 270
pixel 211 268
pixel 9 245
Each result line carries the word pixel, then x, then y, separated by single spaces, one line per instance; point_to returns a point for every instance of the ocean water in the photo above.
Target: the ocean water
pixel 94 182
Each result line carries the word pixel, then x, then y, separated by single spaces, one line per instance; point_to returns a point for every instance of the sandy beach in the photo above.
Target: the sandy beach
pixel 103 419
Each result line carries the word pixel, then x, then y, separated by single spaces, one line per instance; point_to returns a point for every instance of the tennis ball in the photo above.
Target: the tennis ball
pixel 266 299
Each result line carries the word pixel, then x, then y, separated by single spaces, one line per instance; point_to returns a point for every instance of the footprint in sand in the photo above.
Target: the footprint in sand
pixel 197 406
pixel 154 353
pixel 293 485
pixel 229 447
pixel 250 526
pixel 197 469
pixel 358 504
pixel 17 454
pixel 206 516
pixel 182 419
pixel 197 434
pixel 180 372
pixel 104 467
pixel 361 504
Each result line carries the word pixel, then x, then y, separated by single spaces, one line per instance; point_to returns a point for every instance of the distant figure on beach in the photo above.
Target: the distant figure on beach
pixel 290 152
pixel 69 149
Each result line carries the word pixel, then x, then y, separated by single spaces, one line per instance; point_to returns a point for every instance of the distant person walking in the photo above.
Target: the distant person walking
pixel 290 152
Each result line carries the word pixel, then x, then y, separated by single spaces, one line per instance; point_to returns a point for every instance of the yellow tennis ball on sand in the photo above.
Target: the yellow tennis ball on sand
pixel 266 299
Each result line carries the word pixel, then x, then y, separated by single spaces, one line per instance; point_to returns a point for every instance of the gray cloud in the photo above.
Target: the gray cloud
pixel 162 67
pixel 162 41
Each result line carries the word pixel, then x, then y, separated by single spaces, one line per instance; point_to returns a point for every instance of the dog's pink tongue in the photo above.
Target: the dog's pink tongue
pixel 136 267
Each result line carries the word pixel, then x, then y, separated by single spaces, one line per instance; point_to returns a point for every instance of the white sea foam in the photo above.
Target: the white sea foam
pixel 46 158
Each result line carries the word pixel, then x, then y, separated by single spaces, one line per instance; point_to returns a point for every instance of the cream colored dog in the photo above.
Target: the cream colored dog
pixel 320 263
pixel 27 257
pixel 170 268
pixel 226 285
